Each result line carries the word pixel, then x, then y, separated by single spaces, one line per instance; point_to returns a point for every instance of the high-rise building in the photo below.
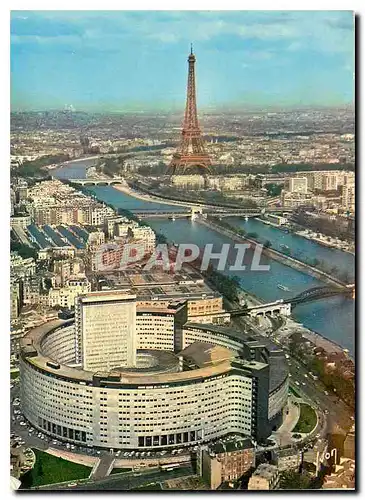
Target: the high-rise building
pixel 329 182
pixel 14 298
pixel 298 185
pixel 12 201
pixel 105 325
pixel 348 197
pixel 32 289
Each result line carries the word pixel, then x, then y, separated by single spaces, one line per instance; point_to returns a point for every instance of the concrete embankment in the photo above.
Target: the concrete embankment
pixel 274 254
pixel 126 189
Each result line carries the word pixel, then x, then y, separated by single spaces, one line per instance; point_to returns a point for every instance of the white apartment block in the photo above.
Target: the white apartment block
pixel 147 235
pixel 348 197
pixel 155 329
pixel 298 185
pixel 99 214
pixel 66 296
pixel 188 181
pixel 329 182
pixel 105 330
pixel 315 178
pixel 295 199
pixel 20 221
pixel 111 223
pixel 21 267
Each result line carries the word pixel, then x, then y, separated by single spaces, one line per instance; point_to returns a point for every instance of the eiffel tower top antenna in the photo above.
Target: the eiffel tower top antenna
pixel 191 49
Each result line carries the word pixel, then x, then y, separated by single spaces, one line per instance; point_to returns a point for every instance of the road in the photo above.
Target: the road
pixel 339 414
pixel 103 467
pixel 127 480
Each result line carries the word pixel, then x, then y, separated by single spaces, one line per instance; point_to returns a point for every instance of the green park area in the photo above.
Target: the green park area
pixel 118 470
pixel 307 419
pixel 49 469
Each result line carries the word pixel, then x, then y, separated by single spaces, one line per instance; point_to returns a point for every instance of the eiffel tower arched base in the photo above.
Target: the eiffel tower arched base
pixel 181 166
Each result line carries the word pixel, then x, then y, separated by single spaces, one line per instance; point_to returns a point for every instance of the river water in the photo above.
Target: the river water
pixel 336 262
pixel 333 318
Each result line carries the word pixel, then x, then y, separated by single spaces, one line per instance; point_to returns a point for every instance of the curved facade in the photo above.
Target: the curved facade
pixel 216 385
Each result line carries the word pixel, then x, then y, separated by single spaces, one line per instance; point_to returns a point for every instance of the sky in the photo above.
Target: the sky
pixel 137 60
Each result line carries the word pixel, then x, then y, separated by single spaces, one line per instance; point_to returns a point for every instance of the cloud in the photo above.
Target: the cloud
pixel 320 31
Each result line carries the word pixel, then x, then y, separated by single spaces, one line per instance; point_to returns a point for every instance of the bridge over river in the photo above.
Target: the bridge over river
pixel 284 306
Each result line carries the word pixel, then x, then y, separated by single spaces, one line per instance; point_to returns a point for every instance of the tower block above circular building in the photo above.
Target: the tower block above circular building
pixel 105 330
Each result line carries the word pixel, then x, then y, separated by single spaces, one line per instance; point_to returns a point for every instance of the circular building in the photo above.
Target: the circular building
pixel 218 381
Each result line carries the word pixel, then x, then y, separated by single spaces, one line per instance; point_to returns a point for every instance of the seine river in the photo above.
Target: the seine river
pixel 333 318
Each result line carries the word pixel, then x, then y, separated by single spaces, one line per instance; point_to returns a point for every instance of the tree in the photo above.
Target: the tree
pixel 293 480
pixel 252 235
pixel 267 244
pixel 34 168
pixel 274 189
pixel 23 250
pixel 161 238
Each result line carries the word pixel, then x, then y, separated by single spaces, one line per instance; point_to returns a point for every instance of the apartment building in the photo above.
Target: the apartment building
pixel 65 296
pixel 226 460
pixel 105 330
pixel 265 477
pixel 298 185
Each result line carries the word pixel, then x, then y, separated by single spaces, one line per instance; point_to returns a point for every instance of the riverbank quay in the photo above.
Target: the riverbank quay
pixel 195 203
pixel 81 158
pixel 291 326
pixel 320 241
pixel 66 164
pixel 126 189
pixel 274 254
pixel 311 236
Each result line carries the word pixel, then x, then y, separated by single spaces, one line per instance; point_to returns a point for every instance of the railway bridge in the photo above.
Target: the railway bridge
pixel 321 292
pixel 285 306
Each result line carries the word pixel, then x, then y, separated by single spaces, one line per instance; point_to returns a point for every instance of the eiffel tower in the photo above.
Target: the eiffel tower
pixel 191 152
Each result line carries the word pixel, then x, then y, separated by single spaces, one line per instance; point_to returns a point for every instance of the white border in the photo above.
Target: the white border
pixel 6 6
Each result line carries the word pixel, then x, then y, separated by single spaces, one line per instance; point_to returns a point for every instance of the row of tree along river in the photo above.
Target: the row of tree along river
pixel 333 318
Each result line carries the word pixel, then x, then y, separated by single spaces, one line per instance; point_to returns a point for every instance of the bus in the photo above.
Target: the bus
pixel 168 467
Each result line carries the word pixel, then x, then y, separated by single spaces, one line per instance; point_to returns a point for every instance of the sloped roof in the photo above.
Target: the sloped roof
pixel 204 353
